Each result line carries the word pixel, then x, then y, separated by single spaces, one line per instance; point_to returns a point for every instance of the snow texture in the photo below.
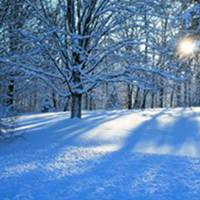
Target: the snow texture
pixel 150 155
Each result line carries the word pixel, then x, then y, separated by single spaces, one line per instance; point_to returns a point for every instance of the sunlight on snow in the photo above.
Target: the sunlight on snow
pixel 35 122
pixel 150 132
pixel 162 135
pixel 74 160
pixel 148 179
pixel 152 148
pixel 187 149
pixel 71 161
pixel 115 131
pixel 165 121
pixel 17 170
pixel 31 126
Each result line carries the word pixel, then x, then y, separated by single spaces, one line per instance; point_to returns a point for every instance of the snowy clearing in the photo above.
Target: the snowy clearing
pixel 150 155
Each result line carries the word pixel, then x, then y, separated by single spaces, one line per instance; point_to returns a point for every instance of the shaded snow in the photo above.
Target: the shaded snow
pixel 150 155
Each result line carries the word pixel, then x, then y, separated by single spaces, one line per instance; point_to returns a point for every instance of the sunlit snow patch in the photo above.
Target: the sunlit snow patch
pixel 76 160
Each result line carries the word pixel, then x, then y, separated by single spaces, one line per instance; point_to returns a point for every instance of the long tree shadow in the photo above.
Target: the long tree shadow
pixel 127 170
pixel 181 136
pixel 52 134
pixel 120 172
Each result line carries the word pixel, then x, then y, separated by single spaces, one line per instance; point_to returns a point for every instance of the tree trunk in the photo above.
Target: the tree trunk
pixel 161 98
pixel 54 101
pixel 152 100
pixel 178 96
pixel 130 99
pixel 144 99
pixel 10 94
pixel 67 103
pixel 91 103
pixel 172 99
pixel 86 101
pixel 76 105
pixel 136 98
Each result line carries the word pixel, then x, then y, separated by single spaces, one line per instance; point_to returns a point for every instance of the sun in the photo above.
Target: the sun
pixel 186 47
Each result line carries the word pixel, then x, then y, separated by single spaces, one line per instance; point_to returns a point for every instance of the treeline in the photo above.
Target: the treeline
pixel 96 54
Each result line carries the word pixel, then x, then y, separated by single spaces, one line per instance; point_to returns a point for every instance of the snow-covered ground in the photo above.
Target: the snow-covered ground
pixel 115 155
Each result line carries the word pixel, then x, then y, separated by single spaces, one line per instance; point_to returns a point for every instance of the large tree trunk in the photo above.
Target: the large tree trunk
pixel 76 105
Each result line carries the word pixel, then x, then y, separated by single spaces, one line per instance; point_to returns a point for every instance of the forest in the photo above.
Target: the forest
pixel 98 54
pixel 99 99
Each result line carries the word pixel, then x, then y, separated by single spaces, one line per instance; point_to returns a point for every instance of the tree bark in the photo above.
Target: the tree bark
pixel 54 100
pixel 136 98
pixel 144 99
pixel 161 98
pixel 10 94
pixel 86 101
pixel 76 105
pixel 130 98
pixel 91 103
pixel 152 100
pixel 172 99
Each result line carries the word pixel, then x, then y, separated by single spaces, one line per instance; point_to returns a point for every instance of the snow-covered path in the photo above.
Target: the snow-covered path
pixel 116 155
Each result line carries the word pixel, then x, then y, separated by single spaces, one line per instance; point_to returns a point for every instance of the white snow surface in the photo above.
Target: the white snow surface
pixel 113 155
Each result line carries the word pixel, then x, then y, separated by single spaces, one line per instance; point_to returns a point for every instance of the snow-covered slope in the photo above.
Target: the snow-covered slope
pixel 115 155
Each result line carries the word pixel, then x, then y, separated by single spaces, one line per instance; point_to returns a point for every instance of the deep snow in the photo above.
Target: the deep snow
pixel 115 155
